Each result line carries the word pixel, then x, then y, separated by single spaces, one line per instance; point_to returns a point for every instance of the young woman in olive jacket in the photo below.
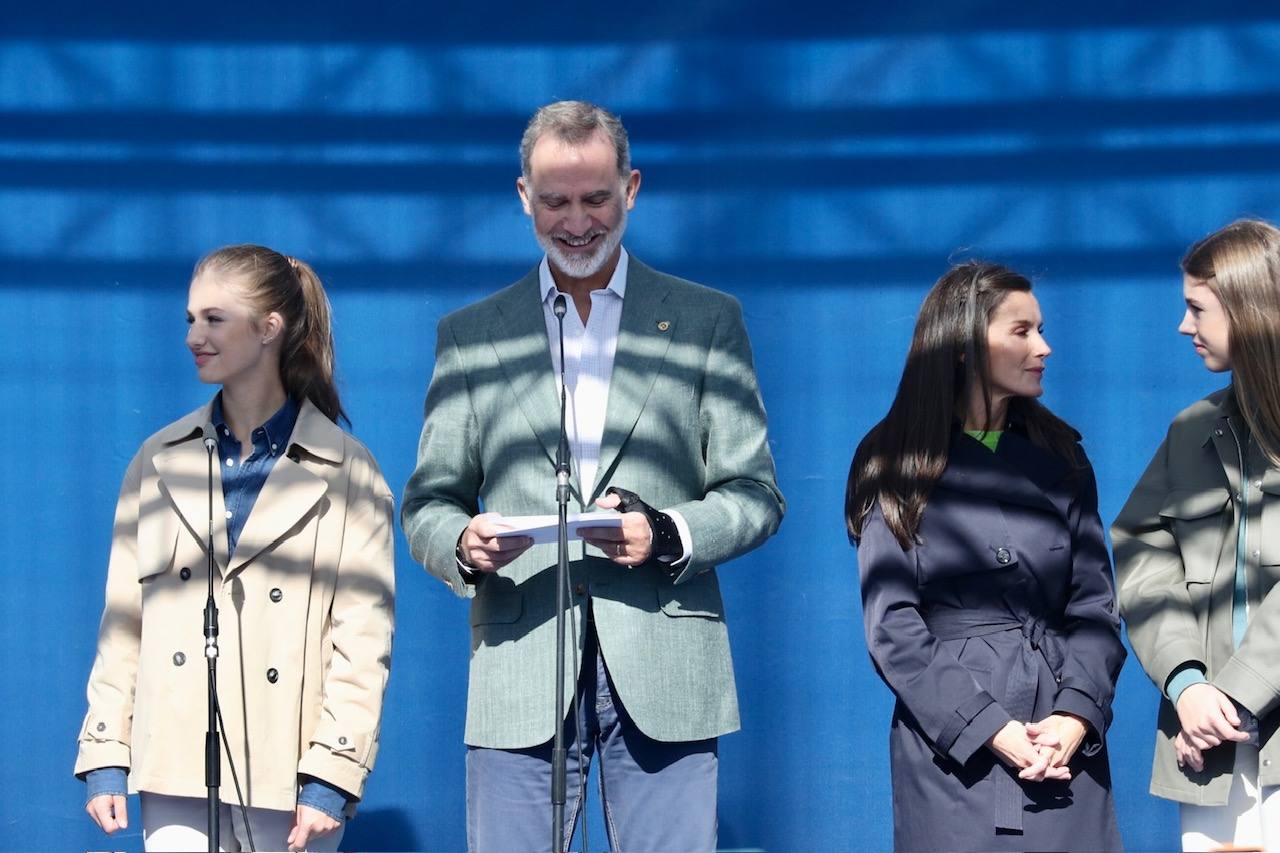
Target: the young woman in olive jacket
pixel 1198 554
pixel 302 543
pixel 986 586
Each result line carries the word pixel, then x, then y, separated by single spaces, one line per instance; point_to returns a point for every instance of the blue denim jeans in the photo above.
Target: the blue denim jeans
pixel 656 796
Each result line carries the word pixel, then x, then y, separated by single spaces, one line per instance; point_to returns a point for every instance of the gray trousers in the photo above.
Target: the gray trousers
pixel 657 796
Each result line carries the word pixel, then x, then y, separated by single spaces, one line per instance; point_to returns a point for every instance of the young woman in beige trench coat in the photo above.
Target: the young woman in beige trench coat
pixel 1197 550
pixel 304 584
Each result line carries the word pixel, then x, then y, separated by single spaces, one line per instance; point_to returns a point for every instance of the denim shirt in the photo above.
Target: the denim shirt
pixel 242 480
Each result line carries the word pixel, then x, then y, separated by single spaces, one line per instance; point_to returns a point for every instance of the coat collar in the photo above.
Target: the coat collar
pixel 1017 472
pixel 290 492
pixel 519 338
pixel 313 432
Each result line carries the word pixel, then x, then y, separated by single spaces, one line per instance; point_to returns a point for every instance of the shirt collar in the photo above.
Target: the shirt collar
pixel 278 427
pixel 617 282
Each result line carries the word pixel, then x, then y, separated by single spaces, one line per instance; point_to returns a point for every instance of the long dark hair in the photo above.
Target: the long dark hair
pixel 288 286
pixel 899 461
pixel 1240 263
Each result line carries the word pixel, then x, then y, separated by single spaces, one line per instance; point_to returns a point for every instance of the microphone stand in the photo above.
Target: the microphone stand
pixel 212 757
pixel 558 756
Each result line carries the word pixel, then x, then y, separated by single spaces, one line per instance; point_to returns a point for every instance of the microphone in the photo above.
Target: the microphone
pixel 560 307
pixel 210 437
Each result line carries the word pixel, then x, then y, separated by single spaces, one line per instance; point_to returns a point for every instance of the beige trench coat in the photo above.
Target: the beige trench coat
pixel 1175 548
pixel 305 610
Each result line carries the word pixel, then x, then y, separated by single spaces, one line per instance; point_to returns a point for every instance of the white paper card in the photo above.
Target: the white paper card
pixel 542 528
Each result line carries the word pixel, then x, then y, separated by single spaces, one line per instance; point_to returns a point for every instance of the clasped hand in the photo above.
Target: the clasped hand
pixel 1208 718
pixel 1041 750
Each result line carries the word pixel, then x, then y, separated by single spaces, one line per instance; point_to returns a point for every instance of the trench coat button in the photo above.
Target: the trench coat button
pixel 272 675
pixel 1002 556
pixel 102 727
pixel 185 574
pixel 179 658
pixel 276 594
pixel 580 589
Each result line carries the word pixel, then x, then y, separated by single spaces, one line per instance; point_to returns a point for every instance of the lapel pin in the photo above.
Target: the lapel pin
pixel 663 325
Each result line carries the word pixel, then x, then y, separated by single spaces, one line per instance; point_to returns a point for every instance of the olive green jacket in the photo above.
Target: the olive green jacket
pixel 1175 549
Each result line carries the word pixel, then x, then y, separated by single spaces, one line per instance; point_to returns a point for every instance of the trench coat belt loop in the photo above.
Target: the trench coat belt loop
pixel 1019 696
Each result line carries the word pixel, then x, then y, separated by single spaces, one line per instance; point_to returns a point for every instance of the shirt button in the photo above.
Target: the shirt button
pixel 230 463
pixel 1266 762
pixel 342 741
pixel 1257 484
pixel 276 594
pixel 102 727
pixel 1257 553
pixel 1002 556
pixel 1218 431
pixel 272 675
pixel 185 574
pixel 273 448
pixel 580 589
pixel 229 513
pixel 179 658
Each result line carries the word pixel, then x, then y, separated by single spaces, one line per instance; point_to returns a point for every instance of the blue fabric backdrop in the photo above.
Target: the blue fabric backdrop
pixel 822 163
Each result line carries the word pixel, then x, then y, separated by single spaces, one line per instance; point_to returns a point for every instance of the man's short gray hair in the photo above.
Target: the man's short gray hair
pixel 574 122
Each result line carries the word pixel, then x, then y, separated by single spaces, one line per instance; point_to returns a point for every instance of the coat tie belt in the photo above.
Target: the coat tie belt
pixel 1040 640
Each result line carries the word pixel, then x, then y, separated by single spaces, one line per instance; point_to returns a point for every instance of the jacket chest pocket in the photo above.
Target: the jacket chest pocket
pixel 1198 520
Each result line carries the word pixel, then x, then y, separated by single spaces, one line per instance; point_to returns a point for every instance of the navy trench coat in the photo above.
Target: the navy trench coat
pixel 1004 610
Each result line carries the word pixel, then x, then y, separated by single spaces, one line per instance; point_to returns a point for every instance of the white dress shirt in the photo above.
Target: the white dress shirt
pixel 589 350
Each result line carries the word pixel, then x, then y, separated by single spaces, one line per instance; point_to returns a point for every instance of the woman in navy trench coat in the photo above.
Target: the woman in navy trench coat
pixel 987 593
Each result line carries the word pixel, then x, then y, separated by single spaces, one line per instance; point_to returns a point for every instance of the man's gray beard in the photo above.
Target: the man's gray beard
pixel 577 266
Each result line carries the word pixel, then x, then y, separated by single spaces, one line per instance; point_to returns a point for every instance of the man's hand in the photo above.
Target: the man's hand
pixel 485 551
pixel 309 823
pixel 1060 733
pixel 629 545
pixel 109 812
pixel 1012 746
pixel 1208 717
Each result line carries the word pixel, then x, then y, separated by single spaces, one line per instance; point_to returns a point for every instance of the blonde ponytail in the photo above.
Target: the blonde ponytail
pixel 288 286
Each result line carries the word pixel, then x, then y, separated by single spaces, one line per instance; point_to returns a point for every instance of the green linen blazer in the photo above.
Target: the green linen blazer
pixel 685 428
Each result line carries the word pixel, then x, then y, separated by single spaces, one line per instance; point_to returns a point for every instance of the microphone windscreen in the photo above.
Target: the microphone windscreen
pixel 210 435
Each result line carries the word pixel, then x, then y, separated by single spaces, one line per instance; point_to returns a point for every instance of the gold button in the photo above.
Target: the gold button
pixel 663 325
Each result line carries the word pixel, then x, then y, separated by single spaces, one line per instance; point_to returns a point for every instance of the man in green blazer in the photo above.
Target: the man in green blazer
pixel 662 403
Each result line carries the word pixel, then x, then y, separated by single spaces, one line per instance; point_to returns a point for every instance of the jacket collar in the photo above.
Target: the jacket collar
pixel 1017 472
pixel 290 492
pixel 313 432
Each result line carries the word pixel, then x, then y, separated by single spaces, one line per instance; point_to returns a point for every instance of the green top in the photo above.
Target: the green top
pixel 989 437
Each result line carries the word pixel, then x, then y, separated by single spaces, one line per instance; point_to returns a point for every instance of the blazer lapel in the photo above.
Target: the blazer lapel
pixel 183 470
pixel 291 491
pixel 644 336
pixel 520 343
